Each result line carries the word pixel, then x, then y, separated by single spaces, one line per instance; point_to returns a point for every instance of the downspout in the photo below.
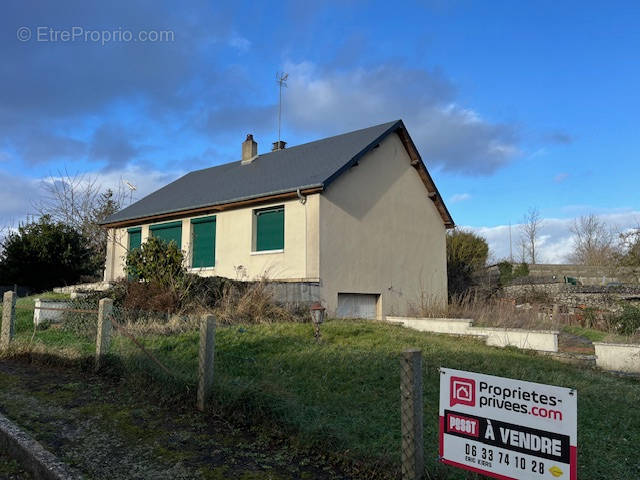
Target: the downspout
pixel 303 201
pixel 301 197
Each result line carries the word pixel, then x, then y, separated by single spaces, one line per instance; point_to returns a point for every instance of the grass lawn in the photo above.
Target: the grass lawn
pixel 342 397
pixel 588 333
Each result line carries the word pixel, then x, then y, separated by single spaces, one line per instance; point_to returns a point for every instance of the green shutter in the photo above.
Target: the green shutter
pixel 270 229
pixel 168 232
pixel 135 238
pixel 204 242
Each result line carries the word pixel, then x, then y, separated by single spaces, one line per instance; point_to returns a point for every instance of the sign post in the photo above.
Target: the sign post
pixel 507 429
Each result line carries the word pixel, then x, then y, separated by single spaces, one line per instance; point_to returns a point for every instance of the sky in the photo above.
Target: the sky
pixel 513 105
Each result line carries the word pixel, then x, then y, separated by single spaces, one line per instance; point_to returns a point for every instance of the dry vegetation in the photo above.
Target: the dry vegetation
pixel 493 312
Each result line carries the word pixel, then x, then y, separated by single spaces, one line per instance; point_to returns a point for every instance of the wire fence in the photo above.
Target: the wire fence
pixel 316 387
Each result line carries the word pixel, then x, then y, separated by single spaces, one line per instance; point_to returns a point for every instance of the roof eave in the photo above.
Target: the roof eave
pixel 416 162
pixel 216 207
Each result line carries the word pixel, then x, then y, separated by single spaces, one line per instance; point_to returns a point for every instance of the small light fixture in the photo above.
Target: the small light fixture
pixel 317 317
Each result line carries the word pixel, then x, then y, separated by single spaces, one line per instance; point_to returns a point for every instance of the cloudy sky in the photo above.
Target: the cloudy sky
pixel 512 105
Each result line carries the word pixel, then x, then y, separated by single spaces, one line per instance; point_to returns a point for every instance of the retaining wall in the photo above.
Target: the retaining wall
pixel 54 316
pixel 620 357
pixel 541 340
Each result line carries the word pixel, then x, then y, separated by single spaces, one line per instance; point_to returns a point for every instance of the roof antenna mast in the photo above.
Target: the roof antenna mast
pixel 281 79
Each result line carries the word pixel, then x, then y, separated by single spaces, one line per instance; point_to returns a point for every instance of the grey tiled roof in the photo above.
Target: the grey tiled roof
pixel 313 164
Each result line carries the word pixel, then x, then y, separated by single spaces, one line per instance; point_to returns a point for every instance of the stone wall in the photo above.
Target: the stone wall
pixel 574 296
pixel 587 274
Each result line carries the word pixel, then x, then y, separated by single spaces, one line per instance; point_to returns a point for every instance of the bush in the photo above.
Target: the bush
pixel 508 273
pixel 157 262
pixel 466 253
pixel 628 322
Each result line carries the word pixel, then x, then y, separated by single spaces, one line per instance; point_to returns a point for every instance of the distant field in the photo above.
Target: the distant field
pixel 342 396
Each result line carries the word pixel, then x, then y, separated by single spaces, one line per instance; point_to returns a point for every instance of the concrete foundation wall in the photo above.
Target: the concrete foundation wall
pixel 541 340
pixel 293 293
pixel 618 357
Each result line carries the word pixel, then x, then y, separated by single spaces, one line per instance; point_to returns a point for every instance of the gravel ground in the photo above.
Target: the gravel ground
pixel 97 427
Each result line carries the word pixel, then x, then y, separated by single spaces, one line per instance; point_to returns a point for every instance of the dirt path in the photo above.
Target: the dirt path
pixel 97 427
pixel 569 343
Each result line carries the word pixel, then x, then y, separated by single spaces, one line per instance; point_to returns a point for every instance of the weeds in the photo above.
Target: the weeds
pixel 487 312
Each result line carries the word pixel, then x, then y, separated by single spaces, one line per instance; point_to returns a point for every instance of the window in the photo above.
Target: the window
pixel 203 232
pixel 168 232
pixel 269 229
pixel 135 238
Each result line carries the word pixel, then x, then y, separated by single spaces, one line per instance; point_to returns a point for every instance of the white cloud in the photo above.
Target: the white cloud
pixel 555 242
pixel 456 138
pixel 561 177
pixel 240 43
pixel 20 194
pixel 459 197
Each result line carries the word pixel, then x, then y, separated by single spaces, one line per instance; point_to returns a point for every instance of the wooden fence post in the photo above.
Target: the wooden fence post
pixel 411 412
pixel 103 339
pixel 205 359
pixel 8 319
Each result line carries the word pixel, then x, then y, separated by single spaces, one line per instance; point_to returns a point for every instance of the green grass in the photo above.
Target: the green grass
pixel 588 333
pixel 343 395
pixel 52 338
pixel 342 398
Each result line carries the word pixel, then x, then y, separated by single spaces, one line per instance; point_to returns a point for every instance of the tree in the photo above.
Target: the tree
pixel 630 246
pixel 529 232
pixel 80 202
pixel 44 254
pixel 466 253
pixel 593 242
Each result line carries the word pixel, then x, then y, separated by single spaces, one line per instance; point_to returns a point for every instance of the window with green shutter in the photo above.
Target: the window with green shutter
pixel 168 232
pixel 269 229
pixel 203 232
pixel 135 238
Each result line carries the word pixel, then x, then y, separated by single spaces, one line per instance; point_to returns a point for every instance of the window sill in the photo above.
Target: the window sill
pixel 201 269
pixel 266 252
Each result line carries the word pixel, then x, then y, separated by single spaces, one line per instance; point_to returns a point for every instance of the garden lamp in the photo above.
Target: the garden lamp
pixel 317 317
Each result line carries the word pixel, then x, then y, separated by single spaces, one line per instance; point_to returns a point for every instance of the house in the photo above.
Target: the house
pixel 355 217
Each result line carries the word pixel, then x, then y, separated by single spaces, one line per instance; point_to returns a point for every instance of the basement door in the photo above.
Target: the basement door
pixel 357 305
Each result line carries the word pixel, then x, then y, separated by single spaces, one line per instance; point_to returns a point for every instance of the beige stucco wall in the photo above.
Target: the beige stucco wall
pixel 381 234
pixel 234 235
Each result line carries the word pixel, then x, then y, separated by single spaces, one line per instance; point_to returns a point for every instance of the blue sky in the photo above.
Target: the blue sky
pixel 512 104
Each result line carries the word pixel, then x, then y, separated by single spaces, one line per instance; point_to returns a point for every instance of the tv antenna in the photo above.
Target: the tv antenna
pixel 281 79
pixel 132 188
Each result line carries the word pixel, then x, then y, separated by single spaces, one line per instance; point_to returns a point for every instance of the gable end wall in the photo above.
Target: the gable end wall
pixel 381 234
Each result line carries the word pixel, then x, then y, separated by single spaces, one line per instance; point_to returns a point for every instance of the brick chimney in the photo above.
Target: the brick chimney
pixel 279 145
pixel 249 150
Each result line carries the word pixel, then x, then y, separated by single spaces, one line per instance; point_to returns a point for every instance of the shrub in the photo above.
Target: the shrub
pixel 158 262
pixel 629 320
pixel 522 270
pixel 466 253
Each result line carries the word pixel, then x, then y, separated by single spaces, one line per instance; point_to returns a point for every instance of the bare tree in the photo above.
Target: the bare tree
pixel 594 243
pixel 81 202
pixel 629 253
pixel 529 232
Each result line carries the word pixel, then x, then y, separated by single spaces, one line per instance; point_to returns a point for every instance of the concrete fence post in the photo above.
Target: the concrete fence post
pixel 411 413
pixel 8 319
pixel 103 339
pixel 205 360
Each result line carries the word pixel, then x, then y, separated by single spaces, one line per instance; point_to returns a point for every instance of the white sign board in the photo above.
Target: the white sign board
pixel 507 429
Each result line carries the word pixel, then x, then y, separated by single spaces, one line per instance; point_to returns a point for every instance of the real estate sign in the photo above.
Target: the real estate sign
pixel 507 429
